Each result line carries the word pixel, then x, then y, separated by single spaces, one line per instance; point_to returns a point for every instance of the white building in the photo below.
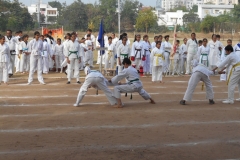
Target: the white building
pixel 221 2
pixel 213 10
pixel 169 4
pixel 45 9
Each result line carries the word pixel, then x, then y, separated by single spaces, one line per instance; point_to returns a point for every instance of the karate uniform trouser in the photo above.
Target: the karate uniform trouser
pixel 146 64
pixel 182 64
pixel 58 62
pixel 138 63
pixel 74 65
pixel 100 83
pixel 192 84
pixel 11 64
pixel 88 58
pixel 166 62
pixel 156 73
pixel 45 64
pixel 25 63
pixel 176 66
pixel 233 82
pixel 129 88
pixel 190 57
pixel 4 72
pixel 223 77
pixel 35 60
pixel 17 63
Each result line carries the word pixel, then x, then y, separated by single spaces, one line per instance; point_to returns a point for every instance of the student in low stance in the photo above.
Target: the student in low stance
pixel 94 79
pixel 134 84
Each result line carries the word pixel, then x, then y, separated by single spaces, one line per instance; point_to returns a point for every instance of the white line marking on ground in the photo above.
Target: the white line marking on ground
pixel 48 129
pixel 123 146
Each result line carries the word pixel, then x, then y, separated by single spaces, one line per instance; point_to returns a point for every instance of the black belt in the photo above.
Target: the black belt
pixel 167 52
pixel 138 50
pixel 145 50
pixel 11 51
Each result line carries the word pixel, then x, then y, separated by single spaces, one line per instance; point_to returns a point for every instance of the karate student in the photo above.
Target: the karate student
pixel 58 55
pixel 200 73
pixel 137 52
pixel 114 39
pixel 18 56
pixel 109 57
pixel 4 59
pixel 166 46
pixel 134 84
pixel 153 44
pixel 46 53
pixel 203 53
pixel 11 41
pixel 96 80
pixel 214 55
pixel 65 52
pixel 146 55
pixel 73 58
pixel 25 55
pixel 35 47
pixel 84 49
pixel 157 60
pixel 176 58
pixel 234 75
pixel 192 48
pixel 236 49
pixel 123 51
pixel 160 37
pixel 223 77
pixel 89 53
pixel 183 56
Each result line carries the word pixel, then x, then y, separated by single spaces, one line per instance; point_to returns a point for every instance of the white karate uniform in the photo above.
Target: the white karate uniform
pixel 214 55
pixel 137 52
pixel 35 48
pixel 203 54
pixel 65 52
pixel 234 75
pixel 89 53
pixel 236 48
pixel 98 45
pixel 183 57
pixel 46 53
pixel 95 79
pixel 153 44
pixel 192 48
pixel 114 41
pixel 176 61
pixel 134 84
pixel 157 62
pixel 223 77
pixel 58 53
pixel 83 48
pixel 4 60
pixel 11 42
pixel 123 51
pixel 25 59
pixel 200 73
pixel 51 44
pixel 109 56
pixel 74 52
pixel 17 60
pixel 146 52
pixel 166 46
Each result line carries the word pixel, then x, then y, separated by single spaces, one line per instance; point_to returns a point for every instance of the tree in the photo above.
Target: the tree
pixel 146 18
pixel 207 24
pixel 236 12
pixel 74 16
pixel 190 18
pixel 183 8
pixel 56 4
pixel 129 14
pixel 194 8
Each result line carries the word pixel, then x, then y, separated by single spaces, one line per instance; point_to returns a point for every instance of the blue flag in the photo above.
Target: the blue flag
pixel 101 37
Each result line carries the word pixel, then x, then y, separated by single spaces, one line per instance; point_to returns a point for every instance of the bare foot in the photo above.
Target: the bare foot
pixel 162 82
pixel 152 101
pixel 6 84
pixel 118 106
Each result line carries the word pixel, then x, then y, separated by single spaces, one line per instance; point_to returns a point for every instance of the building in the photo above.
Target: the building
pixel 46 10
pixel 221 2
pixel 213 10
pixel 170 4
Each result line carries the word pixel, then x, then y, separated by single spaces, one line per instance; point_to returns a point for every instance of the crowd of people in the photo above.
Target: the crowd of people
pixel 199 58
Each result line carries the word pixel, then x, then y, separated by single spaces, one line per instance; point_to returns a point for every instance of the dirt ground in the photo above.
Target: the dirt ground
pixel 38 122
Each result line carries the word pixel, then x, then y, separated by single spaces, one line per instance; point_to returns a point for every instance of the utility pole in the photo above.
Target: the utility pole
pixel 119 18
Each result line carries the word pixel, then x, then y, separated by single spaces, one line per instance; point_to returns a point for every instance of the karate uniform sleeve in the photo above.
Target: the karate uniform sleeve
pixel 129 51
pixel 30 46
pixel 118 51
pixel 80 51
pixel 133 50
pixel 50 51
pixel 225 62
pixel 152 55
pixel 121 75
pixel 66 49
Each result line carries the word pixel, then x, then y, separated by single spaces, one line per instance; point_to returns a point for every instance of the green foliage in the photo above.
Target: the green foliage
pixel 194 8
pixel 190 18
pixel 145 20
pixel 183 8
pixel 207 24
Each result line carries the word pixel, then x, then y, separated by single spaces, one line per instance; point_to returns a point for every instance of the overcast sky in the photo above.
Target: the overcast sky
pixel 28 2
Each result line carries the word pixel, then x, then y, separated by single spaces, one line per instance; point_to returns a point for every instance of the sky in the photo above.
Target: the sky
pixel 28 2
